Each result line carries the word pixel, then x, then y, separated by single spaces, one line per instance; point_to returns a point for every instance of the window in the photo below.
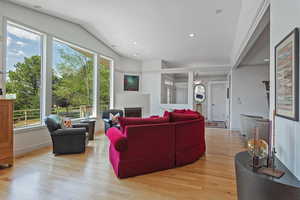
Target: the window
pixel 72 80
pixel 81 85
pixel 105 79
pixel 23 77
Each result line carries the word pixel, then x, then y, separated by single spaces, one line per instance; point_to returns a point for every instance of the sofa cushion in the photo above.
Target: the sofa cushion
pixel 188 111
pixel 125 121
pixel 179 111
pixel 155 116
pixel 177 117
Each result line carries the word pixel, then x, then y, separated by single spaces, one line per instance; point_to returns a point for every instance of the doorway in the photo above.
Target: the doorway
pixel 217 101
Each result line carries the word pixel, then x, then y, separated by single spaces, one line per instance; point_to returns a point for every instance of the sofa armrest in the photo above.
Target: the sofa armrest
pixel 117 139
pixel 70 131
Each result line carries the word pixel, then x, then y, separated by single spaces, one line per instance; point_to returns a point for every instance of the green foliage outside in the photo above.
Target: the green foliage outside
pixel 25 83
pixel 104 87
pixel 72 82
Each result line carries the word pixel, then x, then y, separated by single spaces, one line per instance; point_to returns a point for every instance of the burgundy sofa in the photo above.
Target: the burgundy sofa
pixel 144 145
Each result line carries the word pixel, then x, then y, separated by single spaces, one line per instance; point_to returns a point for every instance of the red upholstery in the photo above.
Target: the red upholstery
pixel 150 148
pixel 157 146
pixel 125 121
pixel 176 117
pixel 179 111
pixel 117 139
pixel 190 141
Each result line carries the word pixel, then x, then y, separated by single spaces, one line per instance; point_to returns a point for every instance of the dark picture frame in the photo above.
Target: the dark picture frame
pixel 287 77
pixel 131 82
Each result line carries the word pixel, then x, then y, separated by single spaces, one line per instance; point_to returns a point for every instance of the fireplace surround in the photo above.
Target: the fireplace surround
pixel 133 112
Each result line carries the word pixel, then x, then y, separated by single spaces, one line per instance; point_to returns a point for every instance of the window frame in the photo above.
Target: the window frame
pixel 95 71
pixel 111 83
pixel 46 73
pixel 43 38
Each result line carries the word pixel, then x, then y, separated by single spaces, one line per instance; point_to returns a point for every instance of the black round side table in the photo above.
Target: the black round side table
pixel 92 124
pixel 254 186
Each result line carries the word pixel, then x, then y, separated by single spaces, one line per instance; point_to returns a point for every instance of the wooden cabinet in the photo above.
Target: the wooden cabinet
pixel 6 132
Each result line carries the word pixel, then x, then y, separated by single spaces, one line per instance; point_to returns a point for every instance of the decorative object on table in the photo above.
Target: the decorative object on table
pixel 131 83
pixel 270 168
pixel 258 149
pixel 287 77
pixel 114 118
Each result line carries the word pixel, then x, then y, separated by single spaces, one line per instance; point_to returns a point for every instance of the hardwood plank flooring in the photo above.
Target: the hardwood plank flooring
pixel 40 175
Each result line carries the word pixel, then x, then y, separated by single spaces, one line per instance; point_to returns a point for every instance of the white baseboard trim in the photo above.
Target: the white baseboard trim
pixel 22 151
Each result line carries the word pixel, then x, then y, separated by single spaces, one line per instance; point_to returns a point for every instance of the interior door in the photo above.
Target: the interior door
pixel 218 101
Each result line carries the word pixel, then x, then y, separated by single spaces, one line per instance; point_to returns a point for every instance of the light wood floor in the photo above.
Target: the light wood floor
pixel 42 176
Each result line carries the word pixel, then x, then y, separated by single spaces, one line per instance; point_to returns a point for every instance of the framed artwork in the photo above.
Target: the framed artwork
pixel 287 77
pixel 131 82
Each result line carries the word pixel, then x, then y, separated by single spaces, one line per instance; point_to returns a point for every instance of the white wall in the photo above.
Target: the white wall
pixel 127 66
pixel 151 84
pixel 250 14
pixel 248 94
pixel 285 17
pixel 27 140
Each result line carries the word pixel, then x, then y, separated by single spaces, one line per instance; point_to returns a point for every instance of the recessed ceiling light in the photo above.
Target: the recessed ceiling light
pixel 135 55
pixel 37 7
pixel 191 35
pixel 266 60
pixel 135 43
pixel 219 11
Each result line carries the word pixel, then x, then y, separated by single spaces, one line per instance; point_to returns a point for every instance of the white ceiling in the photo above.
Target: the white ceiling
pixel 160 28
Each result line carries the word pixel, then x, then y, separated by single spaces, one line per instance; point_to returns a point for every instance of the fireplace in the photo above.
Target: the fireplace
pixel 133 112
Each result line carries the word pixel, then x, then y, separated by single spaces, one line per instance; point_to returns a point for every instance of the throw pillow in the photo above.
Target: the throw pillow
pixel 66 123
pixel 114 118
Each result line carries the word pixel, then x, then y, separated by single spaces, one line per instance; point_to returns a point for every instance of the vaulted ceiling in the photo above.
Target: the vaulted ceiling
pixel 155 29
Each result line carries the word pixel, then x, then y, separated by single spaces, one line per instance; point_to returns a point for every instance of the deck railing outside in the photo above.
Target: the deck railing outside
pixel 31 117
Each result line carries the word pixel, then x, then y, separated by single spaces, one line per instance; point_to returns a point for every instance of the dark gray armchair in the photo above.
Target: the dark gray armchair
pixel 66 141
pixel 105 117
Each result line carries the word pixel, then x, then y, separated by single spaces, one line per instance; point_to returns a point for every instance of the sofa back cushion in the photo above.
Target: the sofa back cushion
pixel 179 110
pixel 177 117
pixel 125 121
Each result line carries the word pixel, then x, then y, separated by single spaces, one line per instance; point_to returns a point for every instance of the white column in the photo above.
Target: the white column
pixel 96 88
pixel 46 79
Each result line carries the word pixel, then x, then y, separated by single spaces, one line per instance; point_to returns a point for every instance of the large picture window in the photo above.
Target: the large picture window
pixel 23 77
pixel 72 81
pixel 61 78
